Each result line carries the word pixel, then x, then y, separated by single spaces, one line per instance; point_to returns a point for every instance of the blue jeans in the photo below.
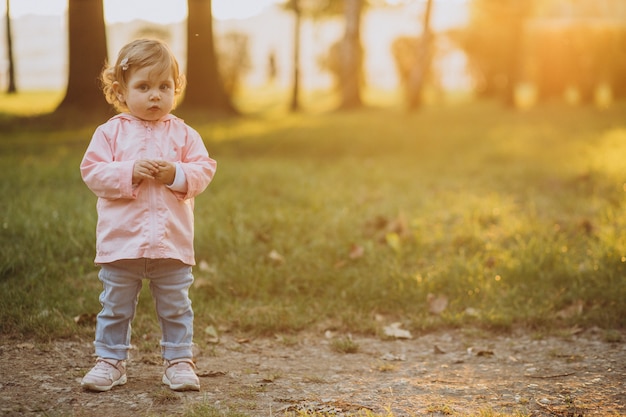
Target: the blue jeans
pixel 170 280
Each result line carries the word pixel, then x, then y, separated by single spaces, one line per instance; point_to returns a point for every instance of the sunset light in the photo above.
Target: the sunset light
pixel 377 208
pixel 158 11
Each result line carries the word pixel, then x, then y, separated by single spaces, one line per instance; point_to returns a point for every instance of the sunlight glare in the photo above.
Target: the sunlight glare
pixel 239 9
pixel 157 11
pixel 39 7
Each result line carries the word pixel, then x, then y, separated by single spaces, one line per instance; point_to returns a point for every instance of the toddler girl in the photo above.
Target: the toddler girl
pixel 145 166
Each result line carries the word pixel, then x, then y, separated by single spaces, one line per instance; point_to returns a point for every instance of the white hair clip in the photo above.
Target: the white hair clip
pixel 124 64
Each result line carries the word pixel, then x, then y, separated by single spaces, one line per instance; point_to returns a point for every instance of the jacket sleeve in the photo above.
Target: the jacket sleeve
pixel 198 167
pixel 105 176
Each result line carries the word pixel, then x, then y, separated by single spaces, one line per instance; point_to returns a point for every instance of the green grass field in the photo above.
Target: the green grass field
pixel 327 220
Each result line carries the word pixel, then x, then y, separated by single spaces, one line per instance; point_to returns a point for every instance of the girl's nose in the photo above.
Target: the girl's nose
pixel 154 95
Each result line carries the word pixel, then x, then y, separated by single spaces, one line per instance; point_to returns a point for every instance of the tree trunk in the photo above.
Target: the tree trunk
pixel 295 93
pixel 87 55
pixel 206 90
pixel 419 72
pixel 519 13
pixel 351 56
pixel 11 89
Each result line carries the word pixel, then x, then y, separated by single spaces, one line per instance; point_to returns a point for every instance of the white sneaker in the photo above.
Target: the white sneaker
pixel 180 375
pixel 106 374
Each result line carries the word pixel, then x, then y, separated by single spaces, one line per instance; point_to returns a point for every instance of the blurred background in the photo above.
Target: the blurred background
pixel 518 51
pixel 499 201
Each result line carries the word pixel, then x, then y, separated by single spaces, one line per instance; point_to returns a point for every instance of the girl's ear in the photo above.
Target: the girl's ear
pixel 119 93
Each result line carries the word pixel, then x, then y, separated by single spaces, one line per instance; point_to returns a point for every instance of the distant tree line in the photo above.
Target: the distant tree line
pixel 553 45
pixel 507 42
pixel 88 52
pixel 213 81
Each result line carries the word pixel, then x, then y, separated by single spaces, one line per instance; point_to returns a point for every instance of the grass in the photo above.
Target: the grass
pixel 29 103
pixel 326 220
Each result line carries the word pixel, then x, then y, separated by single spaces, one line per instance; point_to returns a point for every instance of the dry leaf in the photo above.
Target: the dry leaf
pixel 439 351
pixel 276 257
pixel 210 374
pixel 437 304
pixel 269 378
pixel 204 266
pixel 392 357
pixel 394 330
pixel 340 264
pixel 575 309
pixel 356 252
pixel 85 318
pixel 399 225
pixel 212 333
pixel 201 283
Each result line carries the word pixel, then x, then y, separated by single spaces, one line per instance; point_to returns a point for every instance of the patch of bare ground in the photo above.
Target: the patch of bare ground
pixel 442 373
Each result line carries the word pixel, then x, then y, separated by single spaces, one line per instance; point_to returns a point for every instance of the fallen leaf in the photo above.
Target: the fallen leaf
pixel 437 304
pixel 340 264
pixel 85 318
pixel 276 257
pixel 210 374
pixel 204 266
pixel 269 378
pixel 356 252
pixel 439 351
pixel 212 333
pixel 392 357
pixel 394 330
pixel 573 310
pixel 201 283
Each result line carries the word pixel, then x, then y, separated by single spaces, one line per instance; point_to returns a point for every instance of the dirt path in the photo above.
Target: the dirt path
pixel 447 373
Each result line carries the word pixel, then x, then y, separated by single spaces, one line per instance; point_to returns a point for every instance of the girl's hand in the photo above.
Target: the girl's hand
pixel 166 172
pixel 144 169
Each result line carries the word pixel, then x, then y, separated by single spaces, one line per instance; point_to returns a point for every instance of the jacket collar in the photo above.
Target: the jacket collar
pixel 130 117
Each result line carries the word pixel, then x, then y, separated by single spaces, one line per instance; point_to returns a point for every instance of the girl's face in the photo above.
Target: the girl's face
pixel 150 95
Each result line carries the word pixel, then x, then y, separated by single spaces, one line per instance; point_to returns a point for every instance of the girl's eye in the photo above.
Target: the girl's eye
pixel 165 87
pixel 143 87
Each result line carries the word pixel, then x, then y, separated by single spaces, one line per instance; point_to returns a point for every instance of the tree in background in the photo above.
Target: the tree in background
pixel 493 42
pixel 297 28
pixel 572 50
pixel 11 88
pixel 577 50
pixel 233 58
pixel 344 59
pixel 421 67
pixel 351 56
pixel 206 92
pixel 300 9
pixel 87 55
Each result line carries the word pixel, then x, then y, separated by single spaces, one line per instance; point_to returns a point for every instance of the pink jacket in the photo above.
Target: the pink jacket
pixel 149 220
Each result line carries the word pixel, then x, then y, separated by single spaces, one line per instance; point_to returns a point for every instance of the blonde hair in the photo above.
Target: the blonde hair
pixel 139 53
